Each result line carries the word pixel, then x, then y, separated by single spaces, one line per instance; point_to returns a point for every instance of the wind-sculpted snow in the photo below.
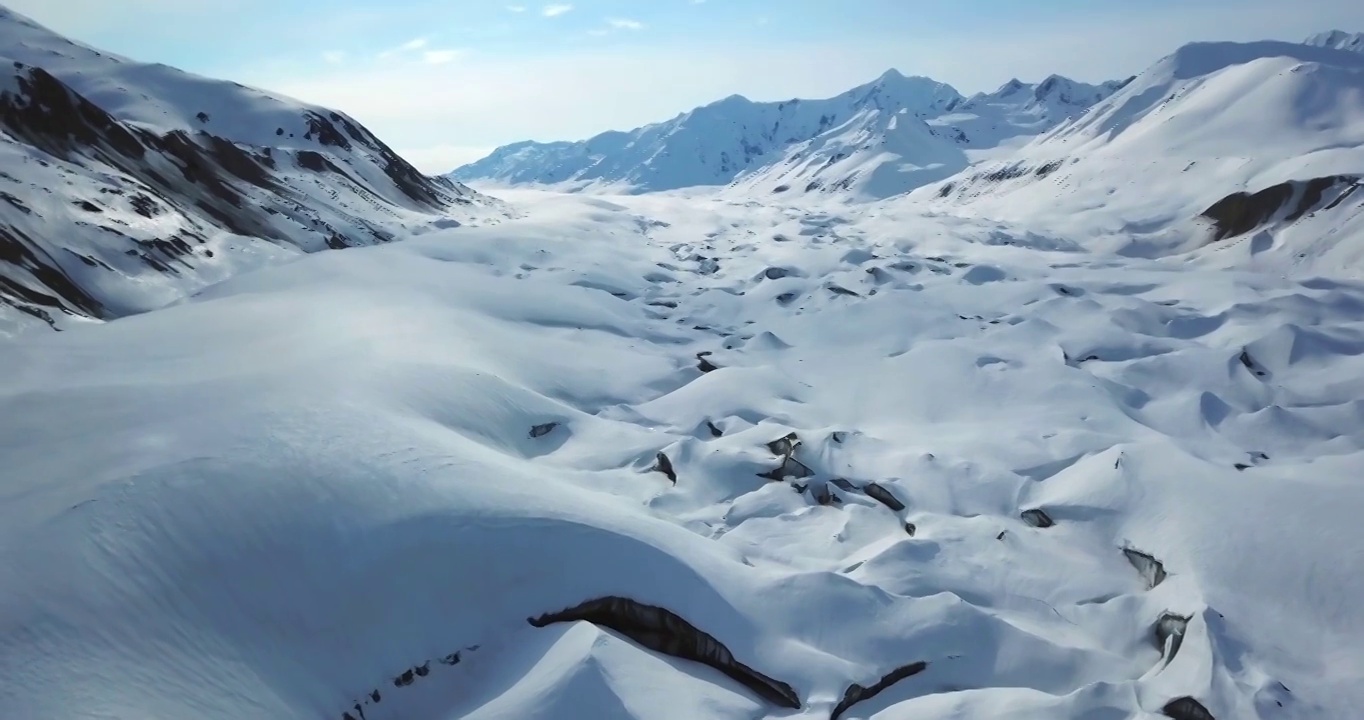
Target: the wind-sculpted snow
pixel 998 477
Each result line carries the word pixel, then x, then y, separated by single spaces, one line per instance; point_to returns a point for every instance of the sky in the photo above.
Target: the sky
pixel 446 81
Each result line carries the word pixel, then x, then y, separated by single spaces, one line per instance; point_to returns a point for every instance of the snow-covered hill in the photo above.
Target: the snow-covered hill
pixel 1217 143
pixel 645 457
pixel 128 185
pixel 876 140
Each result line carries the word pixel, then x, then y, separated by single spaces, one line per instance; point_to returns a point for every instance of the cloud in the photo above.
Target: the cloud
pixel 624 24
pixel 440 57
pixel 555 10
pixel 516 8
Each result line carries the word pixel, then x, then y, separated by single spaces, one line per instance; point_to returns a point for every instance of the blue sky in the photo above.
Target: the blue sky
pixel 444 81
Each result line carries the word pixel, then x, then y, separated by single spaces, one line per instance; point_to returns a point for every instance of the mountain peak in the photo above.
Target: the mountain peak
pixel 1338 40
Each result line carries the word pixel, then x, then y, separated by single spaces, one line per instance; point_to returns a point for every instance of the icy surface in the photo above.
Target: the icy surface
pixel 331 486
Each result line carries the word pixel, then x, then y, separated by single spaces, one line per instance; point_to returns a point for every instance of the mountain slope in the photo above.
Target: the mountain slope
pixel 128 185
pixel 1268 120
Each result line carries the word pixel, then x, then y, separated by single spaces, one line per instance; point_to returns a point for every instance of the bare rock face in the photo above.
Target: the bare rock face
pixel 664 465
pixel 883 496
pixel 1038 518
pixel 1151 569
pixel 1242 212
pixel 543 429
pixel 1169 631
pixel 1186 708
pixel 857 693
pixel 662 631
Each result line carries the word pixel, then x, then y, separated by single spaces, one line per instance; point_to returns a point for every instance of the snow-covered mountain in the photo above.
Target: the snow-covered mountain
pixel 1214 141
pixel 1339 40
pixel 128 185
pixel 878 154
pixel 878 139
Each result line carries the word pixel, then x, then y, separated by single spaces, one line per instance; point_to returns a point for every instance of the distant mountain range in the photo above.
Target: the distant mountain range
pixel 1217 140
pixel 878 139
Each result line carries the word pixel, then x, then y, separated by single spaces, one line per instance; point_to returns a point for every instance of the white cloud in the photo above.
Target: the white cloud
pixel 440 57
pixel 414 44
pixel 625 24
pixel 516 8
pixel 555 10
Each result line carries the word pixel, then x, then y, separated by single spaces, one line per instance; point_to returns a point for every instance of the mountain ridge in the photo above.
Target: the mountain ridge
pixel 129 186
pixel 721 142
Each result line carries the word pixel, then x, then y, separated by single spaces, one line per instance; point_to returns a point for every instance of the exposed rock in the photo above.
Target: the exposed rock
pixel 423 670
pixel 662 631
pixel 1186 708
pixel 1037 518
pixel 825 496
pixel 405 679
pixel 543 429
pixel 705 365
pixel 1241 212
pixel 784 445
pixel 664 465
pixel 840 290
pixel 451 659
pixel 714 431
pixel 1001 534
pixel 1170 629
pixel 789 468
pixel 1151 569
pixel 883 496
pixel 910 529
pixel 857 693
pixel 844 484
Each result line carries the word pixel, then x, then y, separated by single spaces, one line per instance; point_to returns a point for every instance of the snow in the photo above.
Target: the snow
pixel 281 494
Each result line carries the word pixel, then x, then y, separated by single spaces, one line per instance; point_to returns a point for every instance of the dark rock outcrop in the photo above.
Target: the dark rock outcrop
pixel 1169 631
pixel 880 494
pixel 662 631
pixel 543 429
pixel 1151 569
pixel 1186 708
pixel 857 693
pixel 1242 212
pixel 1037 518
pixel 663 465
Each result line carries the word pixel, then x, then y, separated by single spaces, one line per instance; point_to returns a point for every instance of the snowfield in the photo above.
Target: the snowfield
pixel 803 449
